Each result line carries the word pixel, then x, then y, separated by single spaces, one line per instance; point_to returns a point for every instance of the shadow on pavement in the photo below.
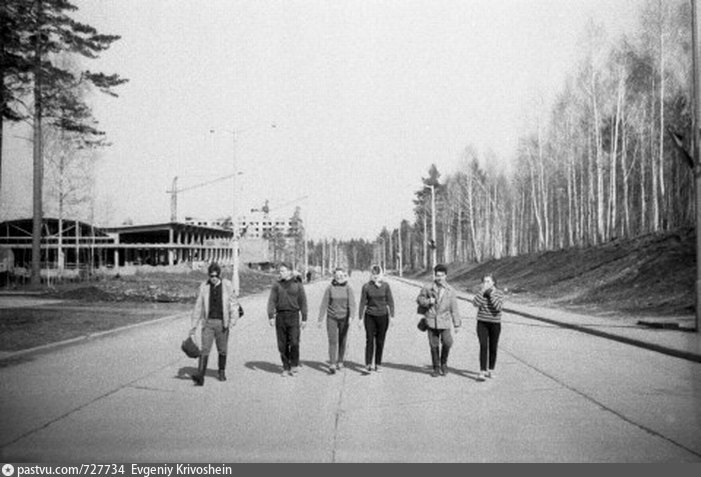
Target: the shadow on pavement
pixel 408 368
pixel 264 366
pixel 186 372
pixel 316 366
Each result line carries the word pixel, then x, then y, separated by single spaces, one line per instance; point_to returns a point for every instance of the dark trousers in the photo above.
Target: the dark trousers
pixel 287 330
pixel 375 332
pixel 338 332
pixel 213 332
pixel 488 335
pixel 435 338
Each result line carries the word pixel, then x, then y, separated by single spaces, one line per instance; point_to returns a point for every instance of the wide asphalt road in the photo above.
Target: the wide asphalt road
pixel 559 396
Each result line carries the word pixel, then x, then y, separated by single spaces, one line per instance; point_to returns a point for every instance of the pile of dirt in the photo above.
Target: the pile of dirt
pixel 650 275
pixel 154 287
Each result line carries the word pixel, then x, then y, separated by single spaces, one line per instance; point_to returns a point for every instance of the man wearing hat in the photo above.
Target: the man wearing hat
pixel 216 310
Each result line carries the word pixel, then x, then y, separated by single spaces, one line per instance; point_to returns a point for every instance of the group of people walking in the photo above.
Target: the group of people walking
pixel 216 311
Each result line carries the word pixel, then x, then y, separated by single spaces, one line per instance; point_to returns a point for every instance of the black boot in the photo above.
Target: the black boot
pixel 444 360
pixel 201 370
pixel 222 367
pixel 434 361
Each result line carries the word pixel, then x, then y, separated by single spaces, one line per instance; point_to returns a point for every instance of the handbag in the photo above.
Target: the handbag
pixel 422 325
pixel 190 348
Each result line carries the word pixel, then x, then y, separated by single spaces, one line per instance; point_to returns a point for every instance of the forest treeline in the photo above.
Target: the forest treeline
pixel 599 163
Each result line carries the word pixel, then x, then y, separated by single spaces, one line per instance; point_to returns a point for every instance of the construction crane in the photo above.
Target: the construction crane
pixel 174 191
pixel 266 209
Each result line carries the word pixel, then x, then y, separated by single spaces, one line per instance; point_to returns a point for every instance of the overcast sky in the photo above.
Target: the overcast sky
pixel 365 95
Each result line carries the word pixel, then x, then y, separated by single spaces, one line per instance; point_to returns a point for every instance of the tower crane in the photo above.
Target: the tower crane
pixel 174 191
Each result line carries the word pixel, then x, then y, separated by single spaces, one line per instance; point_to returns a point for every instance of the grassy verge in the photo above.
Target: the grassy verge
pixel 92 307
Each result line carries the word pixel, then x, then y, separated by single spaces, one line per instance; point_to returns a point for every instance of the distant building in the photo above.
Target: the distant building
pixel 224 223
pixel 75 244
pixel 259 224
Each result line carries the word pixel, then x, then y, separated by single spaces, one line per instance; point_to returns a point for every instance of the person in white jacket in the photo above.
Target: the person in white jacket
pixel 440 304
pixel 216 311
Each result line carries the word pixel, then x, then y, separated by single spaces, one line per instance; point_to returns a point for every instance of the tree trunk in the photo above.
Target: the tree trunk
pixel 38 160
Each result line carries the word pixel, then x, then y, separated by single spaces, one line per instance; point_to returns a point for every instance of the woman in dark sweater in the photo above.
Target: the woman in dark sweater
pixel 338 305
pixel 375 310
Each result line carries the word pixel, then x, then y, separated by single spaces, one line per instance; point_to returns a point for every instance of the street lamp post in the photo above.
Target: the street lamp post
pixel 235 227
pixel 433 225
pixel 399 243
pixel 234 217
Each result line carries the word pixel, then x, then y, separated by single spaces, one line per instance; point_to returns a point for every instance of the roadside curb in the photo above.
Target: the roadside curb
pixel 13 355
pixel 677 353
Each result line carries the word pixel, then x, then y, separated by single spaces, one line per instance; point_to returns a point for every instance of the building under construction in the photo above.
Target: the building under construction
pixel 72 245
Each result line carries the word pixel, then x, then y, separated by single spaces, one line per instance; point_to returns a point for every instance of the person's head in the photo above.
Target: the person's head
pixel 339 274
pixel 375 273
pixel 214 271
pixel 440 273
pixel 285 271
pixel 488 281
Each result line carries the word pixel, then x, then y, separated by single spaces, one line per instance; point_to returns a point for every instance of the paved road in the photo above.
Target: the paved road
pixel 559 396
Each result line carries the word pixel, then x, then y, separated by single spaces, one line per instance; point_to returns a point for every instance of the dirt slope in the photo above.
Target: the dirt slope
pixel 652 275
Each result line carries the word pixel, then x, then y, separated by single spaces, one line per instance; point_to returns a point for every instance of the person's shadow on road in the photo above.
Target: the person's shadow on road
pixel 409 368
pixel 263 366
pixel 466 373
pixel 187 372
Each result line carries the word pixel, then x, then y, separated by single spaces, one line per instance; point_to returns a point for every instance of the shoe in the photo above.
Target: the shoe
pixel 222 366
pixel 435 373
pixel 378 369
pixel 201 370
pixel 285 373
pixel 481 376
pixel 332 369
pixel 339 366
pixel 367 370
pixel 443 370
pixel 294 371
pixel 490 374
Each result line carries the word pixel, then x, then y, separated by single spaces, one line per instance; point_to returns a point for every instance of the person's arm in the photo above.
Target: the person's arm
pixel 479 300
pixel 454 311
pixel 324 307
pixel 272 301
pixel 233 304
pixel 197 311
pixel 351 303
pixel 362 304
pixel 424 298
pixel 496 299
pixel 303 303
pixel 390 301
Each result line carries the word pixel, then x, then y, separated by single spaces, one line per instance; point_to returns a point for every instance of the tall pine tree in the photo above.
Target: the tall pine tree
pixel 53 32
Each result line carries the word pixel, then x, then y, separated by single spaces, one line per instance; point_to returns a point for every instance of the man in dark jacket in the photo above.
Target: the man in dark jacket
pixel 287 300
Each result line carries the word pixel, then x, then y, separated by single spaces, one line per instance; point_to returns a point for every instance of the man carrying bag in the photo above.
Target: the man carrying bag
pixel 216 311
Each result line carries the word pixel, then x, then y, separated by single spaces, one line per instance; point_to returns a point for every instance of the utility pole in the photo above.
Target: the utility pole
pixel 696 144
pixel 235 226
pixel 433 226
pixel 399 243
